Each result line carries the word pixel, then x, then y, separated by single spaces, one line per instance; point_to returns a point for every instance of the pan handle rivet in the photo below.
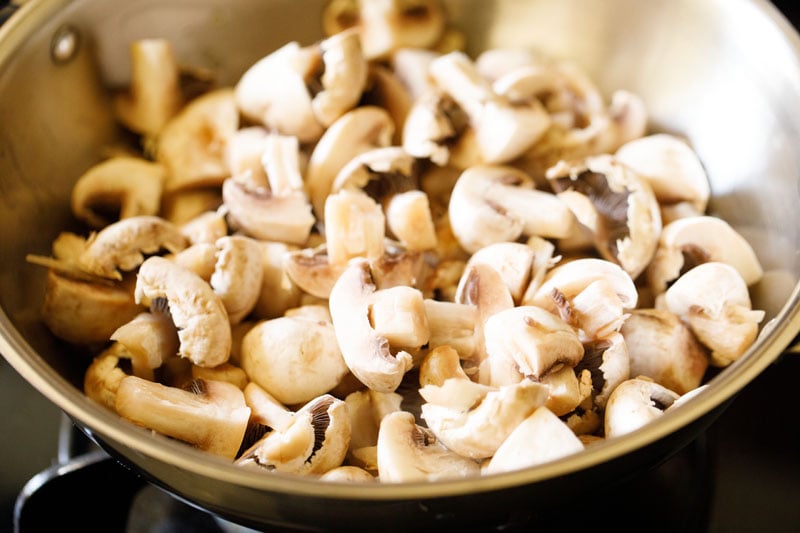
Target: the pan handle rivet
pixel 64 45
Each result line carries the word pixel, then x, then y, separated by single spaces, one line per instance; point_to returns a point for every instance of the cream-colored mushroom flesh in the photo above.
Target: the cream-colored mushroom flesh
pixel 366 353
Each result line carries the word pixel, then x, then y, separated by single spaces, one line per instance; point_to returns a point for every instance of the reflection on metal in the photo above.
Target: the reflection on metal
pixel 65 45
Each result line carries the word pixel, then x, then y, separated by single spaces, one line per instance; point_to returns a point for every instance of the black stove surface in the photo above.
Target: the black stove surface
pixel 741 475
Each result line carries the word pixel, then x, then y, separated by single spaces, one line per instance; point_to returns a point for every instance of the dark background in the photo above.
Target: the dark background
pixel 750 458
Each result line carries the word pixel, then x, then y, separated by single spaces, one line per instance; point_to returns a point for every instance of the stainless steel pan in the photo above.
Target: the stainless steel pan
pixel 725 73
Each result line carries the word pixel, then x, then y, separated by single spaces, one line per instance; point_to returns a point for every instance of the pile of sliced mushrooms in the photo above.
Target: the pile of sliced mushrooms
pixel 378 258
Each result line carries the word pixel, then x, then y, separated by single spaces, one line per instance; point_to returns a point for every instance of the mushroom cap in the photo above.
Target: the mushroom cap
pixel 314 442
pixel 294 359
pixel 238 273
pixel 197 311
pixel 634 403
pixel 131 183
pixel 540 438
pixel 671 167
pixel 477 431
pixel 408 452
pixel 355 132
pixel 687 241
pixel 493 203
pixel 531 339
pixel 273 92
pixel 122 245
pixel 366 353
pixel 661 347
pixel 192 144
pixel 617 205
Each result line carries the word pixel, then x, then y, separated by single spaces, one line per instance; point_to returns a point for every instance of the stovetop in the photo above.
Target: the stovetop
pixel 742 474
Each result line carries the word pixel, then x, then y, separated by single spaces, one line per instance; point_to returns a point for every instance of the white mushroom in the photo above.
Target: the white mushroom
pixel 608 363
pixel 617 205
pixel 713 300
pixel 347 474
pixel 199 314
pixel 671 167
pixel 357 131
pixel 503 129
pixel 294 359
pixel 275 91
pixel 689 241
pixel 366 352
pixel 206 227
pixel 366 409
pixel 210 415
pixel 237 276
pixel 386 26
pixel 150 338
pixel 129 186
pixel 452 324
pixel 540 438
pixel 589 293
pixel 472 419
pixel 314 442
pixel 154 95
pixel 227 372
pixel 398 315
pixel 408 452
pixel 82 312
pixel 527 341
pixel 633 404
pixel 192 144
pixel 492 204
pixel 355 226
pixel 268 216
pixel 123 244
pixel 278 293
pixel 104 374
pixel 663 348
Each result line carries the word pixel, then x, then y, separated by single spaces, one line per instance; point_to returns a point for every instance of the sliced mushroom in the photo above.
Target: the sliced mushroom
pixel 616 204
pixel 192 144
pixel 590 294
pixel 540 438
pixel 122 245
pixel 206 227
pixel 452 324
pixel 103 376
pixel 180 207
pixel 244 153
pixel 366 409
pixel 278 292
pixel 355 227
pixel 635 403
pixel 264 215
pixel 199 258
pixel 117 188
pixel 367 353
pixel 277 90
pixel 566 392
pixel 527 341
pixel 294 359
pixel 608 363
pixel 386 91
pixel 713 300
pixel 491 204
pixel 347 474
pixel 687 242
pixel 198 313
pixel 503 129
pixel 387 26
pixel 398 315
pixel 513 261
pixel 237 276
pixel 273 92
pixel 82 312
pixel 343 78
pixel 663 348
pixel 671 167
pixel 210 415
pixel 227 372
pixel 357 131
pixel 154 95
pixel 150 339
pixel 265 409
pixel 410 66
pixel 475 427
pixel 315 442
pixel 408 452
